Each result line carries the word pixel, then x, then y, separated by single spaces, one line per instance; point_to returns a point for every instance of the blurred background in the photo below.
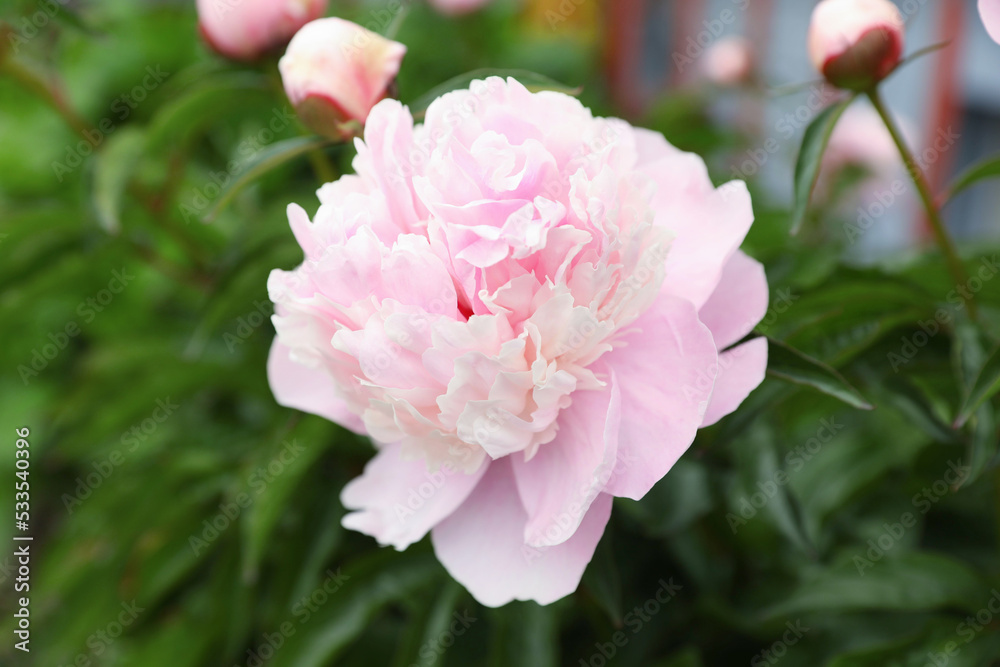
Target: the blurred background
pixel 180 517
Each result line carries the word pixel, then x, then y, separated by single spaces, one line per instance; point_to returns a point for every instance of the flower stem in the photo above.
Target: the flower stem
pixel 47 92
pixel 397 22
pixel 944 240
pixel 321 165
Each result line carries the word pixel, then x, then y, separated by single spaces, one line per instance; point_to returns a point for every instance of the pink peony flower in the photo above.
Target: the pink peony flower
pixel 246 29
pixel 855 43
pixel 335 71
pixel 989 11
pixel 729 61
pixel 457 7
pixel 528 309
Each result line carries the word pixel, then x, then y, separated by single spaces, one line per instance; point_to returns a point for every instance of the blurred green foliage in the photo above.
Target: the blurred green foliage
pixel 182 518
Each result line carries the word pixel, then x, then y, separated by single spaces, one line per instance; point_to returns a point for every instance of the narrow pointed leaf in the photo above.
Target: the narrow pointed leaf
pixel 988 168
pixel 986 385
pixel 270 158
pixel 113 167
pixel 920 53
pixel 789 364
pixel 807 166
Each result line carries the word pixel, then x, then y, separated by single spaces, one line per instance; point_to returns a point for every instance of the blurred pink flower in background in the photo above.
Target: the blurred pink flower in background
pixel 989 10
pixel 855 43
pixel 457 7
pixel 335 71
pixel 246 29
pixel 860 139
pixel 526 309
pixel 729 61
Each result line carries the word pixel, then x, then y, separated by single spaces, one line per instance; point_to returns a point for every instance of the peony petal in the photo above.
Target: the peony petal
pixel 738 303
pixel 307 389
pixel 741 370
pixel 558 485
pixel 651 146
pixel 989 10
pixel 388 160
pixel 399 501
pixel 666 371
pixel 482 545
pixel 708 223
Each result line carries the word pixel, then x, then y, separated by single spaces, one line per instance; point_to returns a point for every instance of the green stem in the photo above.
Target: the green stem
pixel 168 268
pixel 397 21
pixel 944 240
pixel 47 92
pixel 322 166
pixel 154 206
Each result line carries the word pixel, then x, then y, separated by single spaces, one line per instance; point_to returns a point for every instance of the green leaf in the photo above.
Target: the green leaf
pixel 528 634
pixel 371 584
pixel 687 657
pixel 271 492
pixel 758 465
pixel 270 158
pixel 113 167
pixel 984 443
pixel 789 364
pixel 968 358
pixel 912 402
pixel 440 617
pixel 909 582
pixel 814 143
pixel 986 385
pixel 676 501
pixel 988 168
pixel 920 53
pixel 938 639
pixel 72 19
pixel 530 80
pixel 845 316
pixel 603 580
pixel 216 98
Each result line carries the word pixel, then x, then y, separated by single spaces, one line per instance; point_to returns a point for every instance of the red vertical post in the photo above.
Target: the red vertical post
pixel 687 17
pixel 943 97
pixel 624 53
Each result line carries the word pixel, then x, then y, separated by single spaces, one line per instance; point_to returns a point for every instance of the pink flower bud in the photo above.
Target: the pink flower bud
pixel 246 29
pixel 335 71
pixel 457 7
pixel 989 10
pixel 855 43
pixel 728 62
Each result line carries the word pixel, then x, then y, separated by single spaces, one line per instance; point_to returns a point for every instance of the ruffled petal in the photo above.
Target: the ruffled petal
pixel 307 389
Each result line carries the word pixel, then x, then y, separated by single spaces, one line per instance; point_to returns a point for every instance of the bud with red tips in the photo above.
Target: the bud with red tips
pixel 335 71
pixel 855 43
pixel 247 29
